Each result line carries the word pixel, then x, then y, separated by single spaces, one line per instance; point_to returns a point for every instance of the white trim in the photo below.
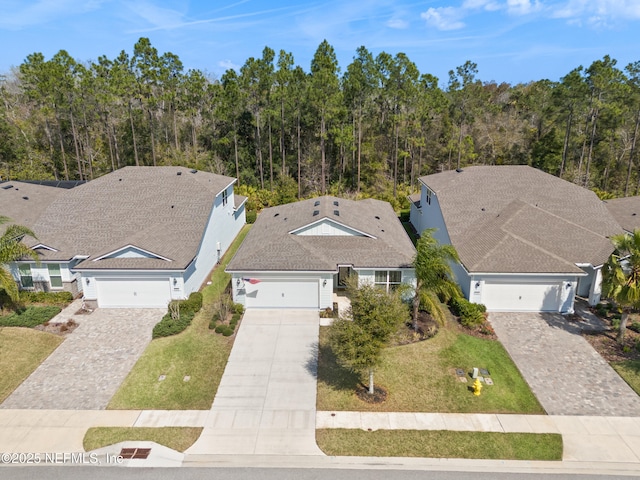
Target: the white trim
pixel 235 209
pixel 159 257
pixel 232 183
pixel 294 272
pixel 126 271
pixel 539 274
pixel 46 247
pixel 293 232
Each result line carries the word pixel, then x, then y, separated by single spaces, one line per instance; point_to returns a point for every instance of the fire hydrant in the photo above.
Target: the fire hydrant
pixel 477 387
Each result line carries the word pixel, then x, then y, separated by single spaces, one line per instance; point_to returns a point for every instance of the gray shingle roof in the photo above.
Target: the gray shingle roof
pixel 163 210
pixel 270 246
pixel 626 211
pixel 25 211
pixel 517 219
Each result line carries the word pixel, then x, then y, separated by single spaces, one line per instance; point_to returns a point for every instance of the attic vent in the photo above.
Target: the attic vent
pixel 633 214
pixel 459 170
pixel 119 179
pixel 336 213
pixel 317 203
pixel 336 203
pixel 483 209
pixel 7 187
pixel 377 217
pixel 316 213
pixel 179 173
pixel 276 214
pixel 382 230
pixel 25 198
pixel 194 171
pixel 172 206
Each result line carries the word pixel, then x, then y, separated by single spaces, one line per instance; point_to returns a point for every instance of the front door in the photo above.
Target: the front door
pixel 343 274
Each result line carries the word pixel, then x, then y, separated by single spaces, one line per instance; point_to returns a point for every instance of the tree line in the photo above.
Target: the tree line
pixel 285 133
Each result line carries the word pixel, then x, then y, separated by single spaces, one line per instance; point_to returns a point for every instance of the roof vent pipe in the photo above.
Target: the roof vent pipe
pixel 459 170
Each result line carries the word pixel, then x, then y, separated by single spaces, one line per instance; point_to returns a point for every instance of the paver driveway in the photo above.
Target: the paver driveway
pixel 88 367
pixel 565 373
pixel 266 401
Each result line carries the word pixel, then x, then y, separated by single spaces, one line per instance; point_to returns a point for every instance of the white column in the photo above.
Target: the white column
pixel 596 288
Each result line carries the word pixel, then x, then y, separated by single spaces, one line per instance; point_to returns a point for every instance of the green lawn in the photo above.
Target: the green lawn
pixel 22 350
pixel 440 444
pixel 630 372
pixel 421 378
pixel 177 438
pixel 197 352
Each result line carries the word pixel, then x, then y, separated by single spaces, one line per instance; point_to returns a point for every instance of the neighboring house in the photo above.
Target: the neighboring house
pixel 626 211
pixel 137 237
pixel 527 240
pixel 297 255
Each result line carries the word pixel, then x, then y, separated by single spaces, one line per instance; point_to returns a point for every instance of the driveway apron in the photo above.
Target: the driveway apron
pixel 266 401
pixel 85 371
pixel 564 371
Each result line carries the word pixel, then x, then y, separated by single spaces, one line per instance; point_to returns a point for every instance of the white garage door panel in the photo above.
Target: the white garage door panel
pixel 521 297
pixel 140 293
pixel 282 294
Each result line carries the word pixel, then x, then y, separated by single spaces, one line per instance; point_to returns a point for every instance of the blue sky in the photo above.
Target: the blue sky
pixel 510 40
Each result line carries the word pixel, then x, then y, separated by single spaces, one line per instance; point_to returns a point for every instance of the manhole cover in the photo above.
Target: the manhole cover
pixel 135 453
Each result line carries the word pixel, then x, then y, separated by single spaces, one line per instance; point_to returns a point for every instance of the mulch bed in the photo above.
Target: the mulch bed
pixel 427 328
pixel 606 345
pixel 62 329
pixel 379 394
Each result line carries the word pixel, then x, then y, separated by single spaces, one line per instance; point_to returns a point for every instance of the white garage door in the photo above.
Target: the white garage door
pixel 521 297
pixel 283 294
pixel 136 293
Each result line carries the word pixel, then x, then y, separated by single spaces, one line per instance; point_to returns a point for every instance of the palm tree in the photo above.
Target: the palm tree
pixel 434 283
pixel 621 276
pixel 12 249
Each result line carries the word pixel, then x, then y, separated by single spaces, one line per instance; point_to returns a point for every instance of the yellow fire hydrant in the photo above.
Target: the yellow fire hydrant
pixel 477 387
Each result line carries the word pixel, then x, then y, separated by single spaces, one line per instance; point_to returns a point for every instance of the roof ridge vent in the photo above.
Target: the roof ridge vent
pixel 459 170
pixel 193 170
pixel 316 213
pixel 178 173
pixel 316 203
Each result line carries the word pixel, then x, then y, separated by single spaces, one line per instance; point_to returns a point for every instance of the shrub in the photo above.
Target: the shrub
pixel 220 328
pixel 48 298
pixel 169 326
pixel 214 320
pixel 30 317
pixel 235 317
pixel 471 314
pixel 635 326
pixel 193 303
pixel 237 308
pixel 227 332
pixel 251 216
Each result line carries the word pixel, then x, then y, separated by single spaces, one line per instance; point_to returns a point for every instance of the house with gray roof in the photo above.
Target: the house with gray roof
pixel 626 211
pixel 527 240
pixel 137 237
pixel 299 254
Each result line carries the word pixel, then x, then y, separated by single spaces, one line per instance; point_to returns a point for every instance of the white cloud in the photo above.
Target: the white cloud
pixel 397 23
pixel 522 7
pixel 597 11
pixel 490 5
pixel 228 65
pixel 443 18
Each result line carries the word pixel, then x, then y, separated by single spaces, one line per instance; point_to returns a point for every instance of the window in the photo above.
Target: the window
pixel 388 280
pixel 225 197
pixel 26 279
pixel 429 193
pixel 55 278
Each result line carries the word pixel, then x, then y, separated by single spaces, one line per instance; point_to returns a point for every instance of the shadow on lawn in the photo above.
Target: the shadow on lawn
pixel 334 374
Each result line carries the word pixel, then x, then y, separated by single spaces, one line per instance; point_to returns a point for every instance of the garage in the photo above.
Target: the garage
pixel 133 293
pixel 522 297
pixel 282 293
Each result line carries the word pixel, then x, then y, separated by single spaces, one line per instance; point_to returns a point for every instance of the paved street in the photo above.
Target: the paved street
pixel 565 373
pixel 266 401
pixel 87 369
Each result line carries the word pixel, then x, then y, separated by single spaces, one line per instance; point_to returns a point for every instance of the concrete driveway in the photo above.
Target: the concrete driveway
pixel 564 371
pixel 266 401
pixel 86 370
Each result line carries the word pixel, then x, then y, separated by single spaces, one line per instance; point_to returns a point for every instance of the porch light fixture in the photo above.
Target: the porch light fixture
pixel 88 281
pixel 175 281
pixel 324 283
pixel 477 284
pixel 237 282
pixel 568 285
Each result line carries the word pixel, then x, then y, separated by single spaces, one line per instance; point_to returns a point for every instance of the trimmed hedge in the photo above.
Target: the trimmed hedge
pixel 237 308
pixel 251 216
pixel 30 317
pixel 471 314
pixel 48 298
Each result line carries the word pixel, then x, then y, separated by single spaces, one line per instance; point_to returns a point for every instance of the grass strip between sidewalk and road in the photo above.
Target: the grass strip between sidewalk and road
pixel 198 353
pixel 440 444
pixel 22 350
pixel 421 377
pixel 176 438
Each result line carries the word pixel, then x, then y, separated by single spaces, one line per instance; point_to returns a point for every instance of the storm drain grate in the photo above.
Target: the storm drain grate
pixel 135 453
